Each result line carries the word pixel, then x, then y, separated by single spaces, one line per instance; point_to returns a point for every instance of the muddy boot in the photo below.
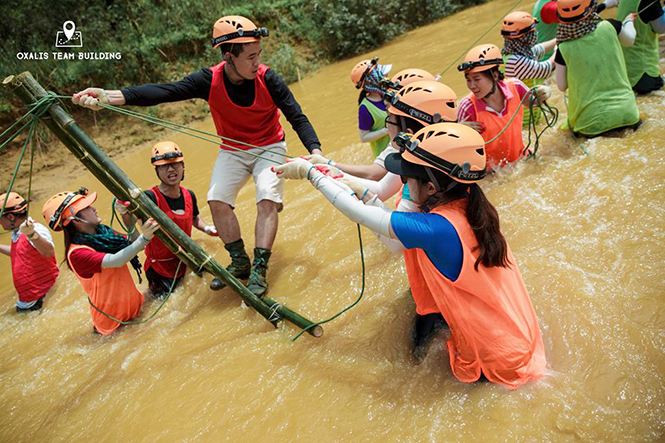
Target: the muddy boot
pixel 239 267
pixel 257 280
pixel 425 328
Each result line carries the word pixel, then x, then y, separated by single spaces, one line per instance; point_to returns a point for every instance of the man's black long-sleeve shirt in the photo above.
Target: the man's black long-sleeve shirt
pixel 197 85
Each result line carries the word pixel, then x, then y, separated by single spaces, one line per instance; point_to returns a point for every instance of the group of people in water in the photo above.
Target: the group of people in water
pixel 431 150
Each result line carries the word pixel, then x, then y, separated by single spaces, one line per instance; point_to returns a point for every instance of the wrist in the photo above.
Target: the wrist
pixel 34 235
pixel 332 163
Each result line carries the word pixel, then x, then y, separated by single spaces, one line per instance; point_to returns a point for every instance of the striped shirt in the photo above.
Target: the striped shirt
pixel 466 111
pixel 524 68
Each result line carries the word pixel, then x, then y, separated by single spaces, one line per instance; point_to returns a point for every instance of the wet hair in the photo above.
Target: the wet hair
pixel 481 214
pixel 234 48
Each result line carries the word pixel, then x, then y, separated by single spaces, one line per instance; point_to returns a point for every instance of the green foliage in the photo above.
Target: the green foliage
pixel 162 40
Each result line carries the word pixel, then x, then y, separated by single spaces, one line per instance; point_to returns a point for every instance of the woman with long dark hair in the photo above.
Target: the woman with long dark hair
pixel 98 256
pixel 464 258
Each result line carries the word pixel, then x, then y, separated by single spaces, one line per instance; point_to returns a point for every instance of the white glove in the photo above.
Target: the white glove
pixel 28 228
pixel 91 98
pixel 317 159
pixel 295 169
pixel 121 207
pixel 149 228
pixel 211 231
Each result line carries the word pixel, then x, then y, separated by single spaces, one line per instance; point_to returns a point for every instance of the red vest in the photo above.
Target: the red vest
pixel 509 146
pixel 493 326
pixel 113 291
pixel 33 273
pixel 257 124
pixel 158 256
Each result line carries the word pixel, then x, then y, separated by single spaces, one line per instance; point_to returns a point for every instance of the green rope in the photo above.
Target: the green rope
pixel 139 322
pixel 551 115
pixel 18 166
pixel 481 36
pixel 362 291
pixel 183 130
pixel 115 216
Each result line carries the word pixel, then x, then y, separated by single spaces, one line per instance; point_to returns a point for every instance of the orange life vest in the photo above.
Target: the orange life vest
pixel 112 291
pixel 493 326
pixel 509 147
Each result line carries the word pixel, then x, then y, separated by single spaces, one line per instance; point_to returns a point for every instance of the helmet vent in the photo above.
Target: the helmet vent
pixel 480 151
pixel 451 105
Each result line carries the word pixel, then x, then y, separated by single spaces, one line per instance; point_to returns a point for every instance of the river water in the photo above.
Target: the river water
pixel 587 231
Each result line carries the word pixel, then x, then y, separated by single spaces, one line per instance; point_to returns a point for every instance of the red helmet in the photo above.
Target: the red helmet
pixel 236 29
pixel 15 204
pixel 452 148
pixel 518 23
pixel 570 11
pixel 60 209
pixel 481 58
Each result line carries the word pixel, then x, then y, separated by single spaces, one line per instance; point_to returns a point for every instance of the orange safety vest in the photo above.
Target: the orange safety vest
pixel 509 147
pixel 113 291
pixel 493 326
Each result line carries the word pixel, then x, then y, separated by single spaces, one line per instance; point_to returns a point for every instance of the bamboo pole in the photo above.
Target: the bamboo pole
pixel 94 158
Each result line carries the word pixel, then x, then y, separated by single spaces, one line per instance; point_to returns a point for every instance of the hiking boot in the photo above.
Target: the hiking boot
pixel 240 266
pixel 257 280
pixel 425 328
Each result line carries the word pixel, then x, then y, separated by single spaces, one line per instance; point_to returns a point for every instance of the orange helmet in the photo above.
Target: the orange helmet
pixel 481 58
pixel 570 11
pixel 15 204
pixel 167 152
pixel 407 76
pixel 60 209
pixel 426 101
pixel 236 29
pixel 518 23
pixel 452 148
pixel 360 71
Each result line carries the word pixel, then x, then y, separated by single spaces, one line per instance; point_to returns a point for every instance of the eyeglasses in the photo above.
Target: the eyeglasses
pixel 258 33
pixel 470 65
pixel 176 165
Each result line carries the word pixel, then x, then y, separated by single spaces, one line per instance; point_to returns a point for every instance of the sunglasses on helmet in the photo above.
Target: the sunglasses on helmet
pixel 462 172
pixel 258 33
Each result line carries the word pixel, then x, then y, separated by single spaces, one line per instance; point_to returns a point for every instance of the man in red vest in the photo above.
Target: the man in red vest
pixel 32 254
pixel 162 267
pixel 245 99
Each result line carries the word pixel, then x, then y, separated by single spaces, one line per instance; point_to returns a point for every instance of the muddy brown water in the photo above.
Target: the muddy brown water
pixel 587 231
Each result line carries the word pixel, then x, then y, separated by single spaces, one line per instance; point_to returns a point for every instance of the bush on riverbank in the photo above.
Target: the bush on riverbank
pixel 162 41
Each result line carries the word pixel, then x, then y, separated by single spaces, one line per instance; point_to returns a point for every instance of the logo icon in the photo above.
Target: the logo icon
pixel 68 37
